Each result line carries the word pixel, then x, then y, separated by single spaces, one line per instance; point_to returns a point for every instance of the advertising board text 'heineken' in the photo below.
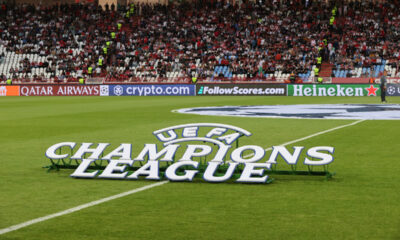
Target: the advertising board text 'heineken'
pixel 334 90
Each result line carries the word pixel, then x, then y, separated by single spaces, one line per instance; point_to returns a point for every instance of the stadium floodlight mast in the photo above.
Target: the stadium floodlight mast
pixel 249 168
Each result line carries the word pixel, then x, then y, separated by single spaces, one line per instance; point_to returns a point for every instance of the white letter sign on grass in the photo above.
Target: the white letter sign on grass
pixel 184 152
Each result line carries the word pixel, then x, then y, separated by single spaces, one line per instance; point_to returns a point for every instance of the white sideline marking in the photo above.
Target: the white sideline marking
pixel 318 133
pixel 90 204
pixel 80 207
pixel 312 135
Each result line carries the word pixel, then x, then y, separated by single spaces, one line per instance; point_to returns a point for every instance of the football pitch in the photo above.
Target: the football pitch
pixel 362 201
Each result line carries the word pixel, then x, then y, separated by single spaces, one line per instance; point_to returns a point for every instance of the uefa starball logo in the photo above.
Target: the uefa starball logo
pixel 104 90
pixel 391 90
pixel 209 150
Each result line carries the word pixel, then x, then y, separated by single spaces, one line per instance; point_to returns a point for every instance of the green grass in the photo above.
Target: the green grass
pixel 361 202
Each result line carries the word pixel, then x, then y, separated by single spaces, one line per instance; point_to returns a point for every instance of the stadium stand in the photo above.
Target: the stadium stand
pixel 212 41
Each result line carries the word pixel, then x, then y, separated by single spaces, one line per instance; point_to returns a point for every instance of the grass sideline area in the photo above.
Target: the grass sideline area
pixel 361 202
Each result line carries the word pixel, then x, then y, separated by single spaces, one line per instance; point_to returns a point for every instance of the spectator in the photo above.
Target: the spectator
pixel 157 40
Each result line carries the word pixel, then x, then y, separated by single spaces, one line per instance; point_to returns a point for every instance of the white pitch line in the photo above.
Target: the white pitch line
pixel 318 133
pixel 80 207
pixel 312 135
pixel 120 195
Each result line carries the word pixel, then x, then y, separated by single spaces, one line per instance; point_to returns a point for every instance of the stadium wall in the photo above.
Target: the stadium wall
pixel 109 2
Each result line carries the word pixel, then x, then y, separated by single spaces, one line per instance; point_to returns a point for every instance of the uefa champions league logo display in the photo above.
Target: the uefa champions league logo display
pixel 306 111
pixel 194 144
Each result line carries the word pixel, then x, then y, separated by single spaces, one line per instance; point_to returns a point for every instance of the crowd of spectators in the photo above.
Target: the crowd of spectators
pixel 365 34
pixel 252 39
